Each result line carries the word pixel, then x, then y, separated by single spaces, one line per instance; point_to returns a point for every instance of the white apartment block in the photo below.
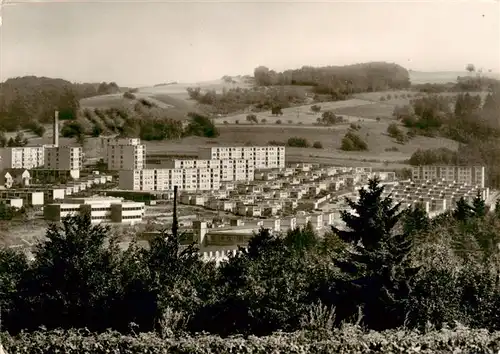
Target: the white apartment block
pixel 472 175
pixel 264 157
pixel 27 157
pixel 126 157
pixel 101 210
pixel 228 170
pixel 63 158
pixel 164 179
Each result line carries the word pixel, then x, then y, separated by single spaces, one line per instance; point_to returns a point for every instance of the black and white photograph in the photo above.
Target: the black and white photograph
pixel 285 177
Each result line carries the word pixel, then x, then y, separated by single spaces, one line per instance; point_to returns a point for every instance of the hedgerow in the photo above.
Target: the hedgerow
pixel 349 339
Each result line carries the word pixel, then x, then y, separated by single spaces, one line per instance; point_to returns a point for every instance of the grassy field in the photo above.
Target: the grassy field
pixel 362 109
pixel 374 133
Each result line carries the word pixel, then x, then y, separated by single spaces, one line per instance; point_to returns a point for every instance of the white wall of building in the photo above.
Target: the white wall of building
pixel 21 157
pixel 264 157
pixel 102 210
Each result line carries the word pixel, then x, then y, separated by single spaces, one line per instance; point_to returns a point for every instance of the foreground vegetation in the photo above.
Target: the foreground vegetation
pixel 350 339
pixel 389 269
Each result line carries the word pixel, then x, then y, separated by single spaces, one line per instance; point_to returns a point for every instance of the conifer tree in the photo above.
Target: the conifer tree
pixel 479 206
pixel 463 211
pixel 373 219
pixel 377 261
pixel 416 220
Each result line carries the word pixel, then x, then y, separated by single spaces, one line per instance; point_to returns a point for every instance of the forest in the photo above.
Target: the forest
pixel 430 284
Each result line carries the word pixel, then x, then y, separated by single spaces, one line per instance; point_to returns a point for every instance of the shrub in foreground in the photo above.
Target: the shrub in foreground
pixel 349 339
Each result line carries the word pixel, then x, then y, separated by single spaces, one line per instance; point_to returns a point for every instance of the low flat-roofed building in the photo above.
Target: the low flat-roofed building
pixel 101 210
pixel 14 202
pixel 28 197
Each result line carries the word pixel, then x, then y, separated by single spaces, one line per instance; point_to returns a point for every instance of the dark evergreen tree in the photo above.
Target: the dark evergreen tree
pixel 373 219
pixel 479 205
pixel 463 211
pixel 301 238
pixel 416 220
pixel 376 264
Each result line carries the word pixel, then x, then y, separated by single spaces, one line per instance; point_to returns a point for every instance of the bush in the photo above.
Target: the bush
pixel 355 126
pixel 263 120
pixel 347 340
pixel 226 122
pixel 297 142
pixel 394 131
pixel 290 121
pixel 276 143
pixel 129 95
pixel 317 145
pixel 353 142
pixel 201 126
pixel 394 148
pixel 252 118
pixel 316 108
pixel 278 121
pixel 382 98
pixel 72 129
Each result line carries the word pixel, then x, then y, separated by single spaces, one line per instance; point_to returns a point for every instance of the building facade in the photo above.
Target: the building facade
pixel 63 158
pixel 228 170
pixel 101 210
pixel 126 157
pixel 27 157
pixel 471 175
pixel 164 179
pixel 263 157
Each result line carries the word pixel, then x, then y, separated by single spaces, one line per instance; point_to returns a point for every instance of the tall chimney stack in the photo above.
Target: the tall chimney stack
pixel 55 137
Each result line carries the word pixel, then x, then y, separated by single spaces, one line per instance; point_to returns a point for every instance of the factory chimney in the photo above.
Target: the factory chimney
pixel 55 137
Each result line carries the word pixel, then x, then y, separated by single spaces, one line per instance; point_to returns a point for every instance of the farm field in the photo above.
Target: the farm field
pixel 374 133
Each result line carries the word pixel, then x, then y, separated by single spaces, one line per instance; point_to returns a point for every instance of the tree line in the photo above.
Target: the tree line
pixel 339 81
pixel 387 268
pixel 28 101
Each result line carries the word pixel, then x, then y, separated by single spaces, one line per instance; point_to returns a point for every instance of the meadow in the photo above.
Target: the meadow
pixel 363 110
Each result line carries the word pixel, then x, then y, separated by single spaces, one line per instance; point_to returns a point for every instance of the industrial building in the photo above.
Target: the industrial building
pixel 101 210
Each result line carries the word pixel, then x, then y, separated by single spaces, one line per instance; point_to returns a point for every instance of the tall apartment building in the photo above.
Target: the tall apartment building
pixel 63 158
pixel 264 157
pixel 27 157
pixel 472 175
pixel 124 154
pixel 228 170
pixel 164 179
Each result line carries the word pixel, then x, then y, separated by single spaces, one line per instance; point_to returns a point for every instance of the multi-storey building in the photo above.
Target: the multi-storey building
pixel 163 179
pixel 125 154
pixel 27 157
pixel 264 157
pixel 101 210
pixel 228 170
pixel 126 157
pixel 63 158
pixel 471 175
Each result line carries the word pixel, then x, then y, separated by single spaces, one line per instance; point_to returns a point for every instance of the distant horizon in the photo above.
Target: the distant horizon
pixel 142 43
pixel 495 75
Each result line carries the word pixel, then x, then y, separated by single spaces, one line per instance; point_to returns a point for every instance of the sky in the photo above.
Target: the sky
pixel 145 43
